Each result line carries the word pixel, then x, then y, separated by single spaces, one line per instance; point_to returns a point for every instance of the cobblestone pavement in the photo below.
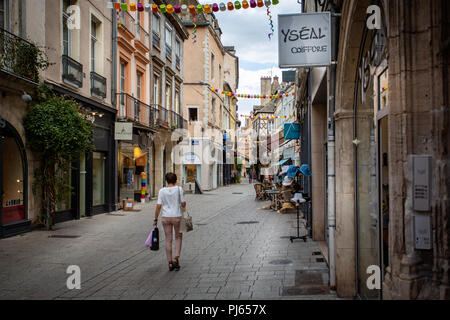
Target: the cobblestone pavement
pixel 223 258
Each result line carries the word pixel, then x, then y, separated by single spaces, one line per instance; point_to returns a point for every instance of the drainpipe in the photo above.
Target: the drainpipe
pixel 114 104
pixel 331 152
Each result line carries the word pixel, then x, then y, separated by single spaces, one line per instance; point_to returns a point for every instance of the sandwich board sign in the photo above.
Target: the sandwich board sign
pixel 304 40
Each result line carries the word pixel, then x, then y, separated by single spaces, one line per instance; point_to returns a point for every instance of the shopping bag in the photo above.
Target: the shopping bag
pixel 148 242
pixel 155 240
pixel 186 223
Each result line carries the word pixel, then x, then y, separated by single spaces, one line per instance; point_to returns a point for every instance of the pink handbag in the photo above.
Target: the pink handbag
pixel 148 242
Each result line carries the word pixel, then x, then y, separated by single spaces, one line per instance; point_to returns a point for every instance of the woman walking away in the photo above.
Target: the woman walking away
pixel 170 202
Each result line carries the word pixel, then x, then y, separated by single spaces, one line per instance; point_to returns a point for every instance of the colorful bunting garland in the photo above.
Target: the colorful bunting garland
pixel 266 117
pixel 270 19
pixel 252 96
pixel 207 8
pixel 195 28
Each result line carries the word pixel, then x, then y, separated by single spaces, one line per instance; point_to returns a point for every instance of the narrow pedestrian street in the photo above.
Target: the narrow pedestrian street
pixel 235 252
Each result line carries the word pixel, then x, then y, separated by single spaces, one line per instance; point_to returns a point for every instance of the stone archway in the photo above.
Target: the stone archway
pixel 352 28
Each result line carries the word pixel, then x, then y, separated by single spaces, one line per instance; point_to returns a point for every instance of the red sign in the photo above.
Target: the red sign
pixel 12 214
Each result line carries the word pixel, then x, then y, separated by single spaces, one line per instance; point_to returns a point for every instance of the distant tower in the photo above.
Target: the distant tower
pixel 265 89
pixel 275 85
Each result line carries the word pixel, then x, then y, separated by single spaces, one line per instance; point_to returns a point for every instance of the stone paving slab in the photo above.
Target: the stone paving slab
pixel 221 258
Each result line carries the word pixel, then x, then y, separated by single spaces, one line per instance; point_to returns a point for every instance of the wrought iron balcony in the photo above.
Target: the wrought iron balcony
pixel 162 116
pixel 98 85
pixel 18 56
pixel 72 71
pixel 177 121
pixel 136 110
pixel 156 40
pixel 142 36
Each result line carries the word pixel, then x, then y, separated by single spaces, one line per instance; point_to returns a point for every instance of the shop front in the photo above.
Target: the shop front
pixel 14 182
pixel 135 169
pixel 92 176
pixel 191 170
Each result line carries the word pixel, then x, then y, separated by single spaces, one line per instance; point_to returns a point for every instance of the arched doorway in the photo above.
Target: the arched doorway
pixel 13 182
pixel 370 155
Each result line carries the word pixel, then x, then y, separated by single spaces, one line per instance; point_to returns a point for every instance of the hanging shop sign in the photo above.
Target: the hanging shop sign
pixel 123 131
pixel 304 40
pixel 291 131
pixel 141 161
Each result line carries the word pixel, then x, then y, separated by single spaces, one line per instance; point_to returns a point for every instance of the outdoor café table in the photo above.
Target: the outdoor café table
pixel 273 197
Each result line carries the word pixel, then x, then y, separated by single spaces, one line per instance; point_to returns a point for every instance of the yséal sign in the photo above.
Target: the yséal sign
pixel 304 39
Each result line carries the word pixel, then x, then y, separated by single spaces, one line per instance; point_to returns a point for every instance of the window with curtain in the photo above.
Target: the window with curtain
pixel 122 82
pixel 212 66
pixel 177 102
pixel 213 110
pixel 156 90
pixel 178 52
pixel 138 18
pixel 94 44
pixel 168 97
pixel 138 85
pixel 178 47
pixel 67 33
pixel 168 41
pixel 220 76
pixel 156 24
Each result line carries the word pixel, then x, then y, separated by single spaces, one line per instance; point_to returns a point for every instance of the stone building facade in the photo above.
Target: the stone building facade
pixel 391 106
pixel 208 112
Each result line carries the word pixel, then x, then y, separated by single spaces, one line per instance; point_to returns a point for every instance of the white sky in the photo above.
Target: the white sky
pixel 247 30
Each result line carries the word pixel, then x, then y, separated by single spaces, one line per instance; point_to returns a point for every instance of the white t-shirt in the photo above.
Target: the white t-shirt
pixel 169 198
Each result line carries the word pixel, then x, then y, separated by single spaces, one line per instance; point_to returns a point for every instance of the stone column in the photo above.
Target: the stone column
pixel 418 124
pixel 318 134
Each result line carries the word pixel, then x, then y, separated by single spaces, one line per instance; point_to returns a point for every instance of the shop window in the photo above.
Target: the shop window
pixel 98 178
pixel 12 181
pixel 383 89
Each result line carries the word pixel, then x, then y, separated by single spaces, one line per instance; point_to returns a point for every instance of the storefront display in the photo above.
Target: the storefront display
pixel 98 178
pixel 13 182
pixel 133 172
